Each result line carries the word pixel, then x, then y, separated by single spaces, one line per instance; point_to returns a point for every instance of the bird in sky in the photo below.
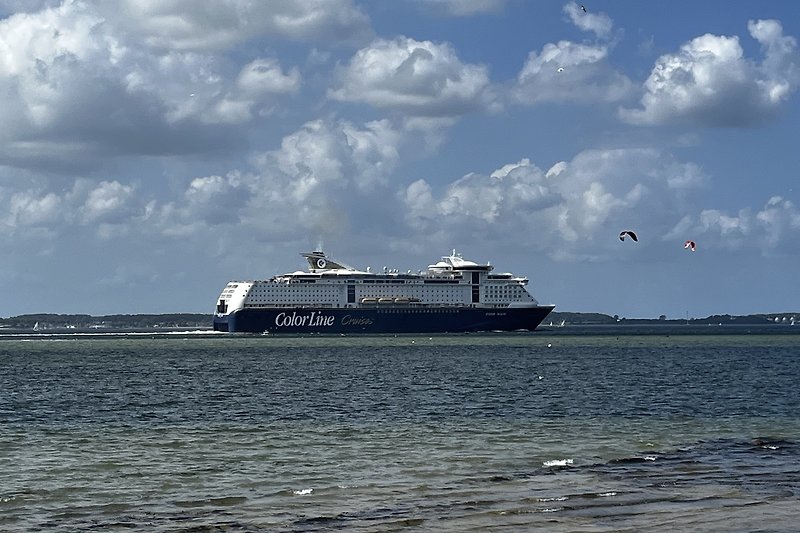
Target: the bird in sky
pixel 583 7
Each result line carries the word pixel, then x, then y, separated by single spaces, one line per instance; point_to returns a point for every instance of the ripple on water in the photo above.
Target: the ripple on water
pixel 458 434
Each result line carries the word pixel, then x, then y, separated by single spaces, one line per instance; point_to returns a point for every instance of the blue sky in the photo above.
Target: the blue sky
pixel 151 151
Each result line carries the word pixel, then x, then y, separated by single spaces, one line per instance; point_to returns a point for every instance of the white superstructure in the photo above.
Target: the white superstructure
pixel 451 282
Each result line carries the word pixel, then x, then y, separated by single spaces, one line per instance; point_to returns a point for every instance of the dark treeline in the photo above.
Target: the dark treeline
pixel 49 320
pixel 599 319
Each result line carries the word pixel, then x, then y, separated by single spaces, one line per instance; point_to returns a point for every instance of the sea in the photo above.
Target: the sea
pixel 570 429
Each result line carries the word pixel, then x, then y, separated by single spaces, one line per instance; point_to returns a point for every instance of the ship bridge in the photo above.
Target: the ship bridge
pixel 455 261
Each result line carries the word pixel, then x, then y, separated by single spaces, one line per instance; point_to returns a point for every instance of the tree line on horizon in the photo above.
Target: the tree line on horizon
pixel 199 320
pixel 53 320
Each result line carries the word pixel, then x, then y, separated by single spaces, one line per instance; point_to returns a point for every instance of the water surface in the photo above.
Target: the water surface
pixel 560 430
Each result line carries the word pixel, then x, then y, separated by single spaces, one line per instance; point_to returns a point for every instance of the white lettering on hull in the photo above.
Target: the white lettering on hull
pixel 315 319
pixel 311 320
pixel 348 320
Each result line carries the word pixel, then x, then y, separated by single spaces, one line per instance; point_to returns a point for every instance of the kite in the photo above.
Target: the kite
pixel 690 245
pixel 628 233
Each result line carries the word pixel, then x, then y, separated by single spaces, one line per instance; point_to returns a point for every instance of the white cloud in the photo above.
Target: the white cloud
pixel 102 207
pixel 574 210
pixel 109 202
pixel 420 78
pixel 598 23
pixel 191 87
pixel 374 151
pixel 310 159
pixel 32 208
pixel 207 201
pixel 710 82
pixel 775 226
pixel 205 25
pixel 181 84
pixel 84 90
pixel 781 65
pixel 65 93
pixel 729 227
pixel 322 175
pixel 568 71
pixel 37 67
pixel 780 220
pixel 323 156
pixel 420 203
pixel 266 76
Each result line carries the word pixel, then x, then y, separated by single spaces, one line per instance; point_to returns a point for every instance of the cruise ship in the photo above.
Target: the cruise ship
pixel 453 295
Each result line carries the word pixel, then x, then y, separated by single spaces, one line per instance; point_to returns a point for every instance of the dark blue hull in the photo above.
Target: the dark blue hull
pixel 381 320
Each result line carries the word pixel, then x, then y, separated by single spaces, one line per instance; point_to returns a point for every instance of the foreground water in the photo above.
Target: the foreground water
pixel 551 431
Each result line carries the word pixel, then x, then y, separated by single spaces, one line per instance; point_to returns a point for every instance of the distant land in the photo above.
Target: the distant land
pixel 600 319
pixel 200 320
pixel 139 321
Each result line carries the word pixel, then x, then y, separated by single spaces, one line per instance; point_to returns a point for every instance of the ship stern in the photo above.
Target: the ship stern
pixel 222 323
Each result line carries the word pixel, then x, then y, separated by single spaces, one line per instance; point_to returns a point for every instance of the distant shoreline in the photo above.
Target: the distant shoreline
pixel 601 319
pixel 172 321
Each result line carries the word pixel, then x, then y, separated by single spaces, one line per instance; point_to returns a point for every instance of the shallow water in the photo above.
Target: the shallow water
pixel 618 430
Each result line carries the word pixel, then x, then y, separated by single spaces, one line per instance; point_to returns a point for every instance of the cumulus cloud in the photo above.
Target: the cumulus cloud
pixel 266 76
pixel 208 201
pixel 421 78
pixel 252 95
pixel 85 203
pixel 775 225
pixel 327 155
pixel 598 23
pixel 573 210
pixel 780 219
pixel 570 71
pixel 85 89
pixel 732 230
pixel 204 25
pixel 37 68
pixel 567 71
pixel 66 96
pixel 322 174
pixel 33 208
pixel 109 202
pixel 709 82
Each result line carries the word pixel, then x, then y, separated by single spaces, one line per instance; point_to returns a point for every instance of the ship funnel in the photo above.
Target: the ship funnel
pixel 318 261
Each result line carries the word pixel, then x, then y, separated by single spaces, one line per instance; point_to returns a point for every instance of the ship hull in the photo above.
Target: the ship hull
pixel 376 320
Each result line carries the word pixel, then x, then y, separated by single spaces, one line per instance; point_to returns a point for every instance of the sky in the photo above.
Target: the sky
pixel 150 151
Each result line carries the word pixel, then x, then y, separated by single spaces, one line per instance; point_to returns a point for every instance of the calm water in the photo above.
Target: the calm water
pixel 562 430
